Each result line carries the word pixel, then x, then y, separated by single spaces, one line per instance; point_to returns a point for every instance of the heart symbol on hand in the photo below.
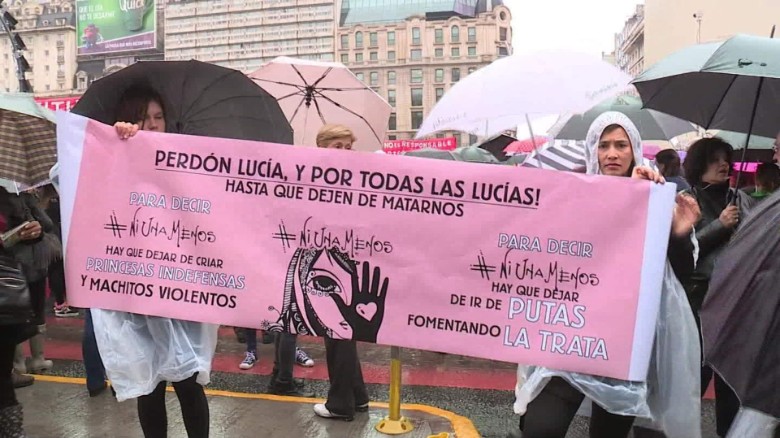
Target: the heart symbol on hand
pixel 367 311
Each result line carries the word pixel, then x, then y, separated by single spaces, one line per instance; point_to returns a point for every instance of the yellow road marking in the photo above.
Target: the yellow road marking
pixel 462 426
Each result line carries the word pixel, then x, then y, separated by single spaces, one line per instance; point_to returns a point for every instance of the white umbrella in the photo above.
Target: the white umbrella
pixel 314 93
pixel 497 97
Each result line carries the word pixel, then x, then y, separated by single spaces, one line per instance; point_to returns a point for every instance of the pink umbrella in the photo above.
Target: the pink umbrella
pixel 313 94
pixel 525 146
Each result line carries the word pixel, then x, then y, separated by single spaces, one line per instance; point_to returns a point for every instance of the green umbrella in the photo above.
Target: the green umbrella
pixel 475 154
pixel 652 125
pixel 732 85
pixel 738 139
pixel 720 85
pixel 438 154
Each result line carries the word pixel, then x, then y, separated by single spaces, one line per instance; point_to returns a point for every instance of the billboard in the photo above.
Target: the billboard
pixel 110 26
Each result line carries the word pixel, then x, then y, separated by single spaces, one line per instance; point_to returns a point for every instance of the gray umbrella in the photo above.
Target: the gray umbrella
pixel 438 154
pixel 652 125
pixel 740 317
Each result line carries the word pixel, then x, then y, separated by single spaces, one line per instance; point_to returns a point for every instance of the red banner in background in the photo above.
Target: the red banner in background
pixel 401 146
pixel 57 103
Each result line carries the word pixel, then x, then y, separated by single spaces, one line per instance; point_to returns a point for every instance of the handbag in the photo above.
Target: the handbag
pixel 15 304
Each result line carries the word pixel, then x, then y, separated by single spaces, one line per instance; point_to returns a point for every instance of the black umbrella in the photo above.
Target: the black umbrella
pixel 199 98
pixel 740 317
pixel 496 145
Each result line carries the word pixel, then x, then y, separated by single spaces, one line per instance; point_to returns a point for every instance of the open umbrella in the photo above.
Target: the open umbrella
pixel 732 85
pixel 28 142
pixel 566 155
pixel 313 93
pixel 495 98
pixel 438 154
pixel 740 318
pixel 199 98
pixel 527 145
pixel 652 125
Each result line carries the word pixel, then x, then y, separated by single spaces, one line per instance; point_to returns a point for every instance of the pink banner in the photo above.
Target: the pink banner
pixel 512 264
pixel 57 103
pixel 395 147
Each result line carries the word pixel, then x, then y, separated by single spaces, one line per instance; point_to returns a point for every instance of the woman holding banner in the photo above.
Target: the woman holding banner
pixel 549 399
pixel 142 353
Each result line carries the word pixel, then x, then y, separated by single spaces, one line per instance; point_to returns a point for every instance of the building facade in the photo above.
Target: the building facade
pixel 244 34
pixel 671 25
pixel 630 44
pixel 49 32
pixel 412 60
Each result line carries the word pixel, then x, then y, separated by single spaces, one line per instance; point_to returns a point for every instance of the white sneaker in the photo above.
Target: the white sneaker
pixel 323 412
pixel 249 361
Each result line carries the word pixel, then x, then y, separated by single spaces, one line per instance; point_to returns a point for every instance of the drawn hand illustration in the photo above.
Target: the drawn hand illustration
pixel 367 308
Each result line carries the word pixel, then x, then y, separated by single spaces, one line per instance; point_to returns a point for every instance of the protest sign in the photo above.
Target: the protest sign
pixel 519 265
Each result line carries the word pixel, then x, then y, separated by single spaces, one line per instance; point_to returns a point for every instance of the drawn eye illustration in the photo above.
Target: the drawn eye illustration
pixel 323 283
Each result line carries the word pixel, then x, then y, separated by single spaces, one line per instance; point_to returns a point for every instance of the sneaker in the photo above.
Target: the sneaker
pixel 21 380
pixel 249 361
pixel 362 408
pixel 64 311
pixel 303 359
pixel 323 412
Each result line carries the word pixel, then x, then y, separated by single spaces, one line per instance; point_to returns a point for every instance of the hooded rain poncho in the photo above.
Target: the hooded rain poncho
pixel 670 398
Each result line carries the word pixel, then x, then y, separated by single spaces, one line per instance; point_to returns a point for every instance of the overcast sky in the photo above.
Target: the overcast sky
pixel 587 26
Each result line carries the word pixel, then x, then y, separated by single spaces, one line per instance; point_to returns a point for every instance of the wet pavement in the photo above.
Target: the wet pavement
pixel 477 389
pixel 233 415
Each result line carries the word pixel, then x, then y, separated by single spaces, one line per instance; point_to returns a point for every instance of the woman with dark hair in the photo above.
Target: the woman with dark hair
pixel 668 162
pixel 707 167
pixel 142 353
pixel 549 399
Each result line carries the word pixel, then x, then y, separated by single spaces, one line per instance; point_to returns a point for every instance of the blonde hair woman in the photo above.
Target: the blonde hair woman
pixel 347 393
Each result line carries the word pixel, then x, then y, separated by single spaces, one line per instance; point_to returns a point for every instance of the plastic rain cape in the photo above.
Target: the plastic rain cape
pixel 141 351
pixel 670 398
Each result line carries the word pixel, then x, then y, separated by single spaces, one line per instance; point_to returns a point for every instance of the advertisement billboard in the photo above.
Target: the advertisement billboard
pixel 110 26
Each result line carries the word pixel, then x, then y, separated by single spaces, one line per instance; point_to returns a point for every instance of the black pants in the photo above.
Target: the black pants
pixel 38 301
pixel 552 411
pixel 7 393
pixel 284 360
pixel 194 409
pixel 57 281
pixel 347 388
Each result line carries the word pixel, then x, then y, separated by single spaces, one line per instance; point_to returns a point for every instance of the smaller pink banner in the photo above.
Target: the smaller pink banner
pixel 57 103
pixel 395 147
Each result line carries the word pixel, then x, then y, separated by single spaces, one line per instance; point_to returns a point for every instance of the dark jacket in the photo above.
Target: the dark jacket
pixel 16 210
pixel 711 234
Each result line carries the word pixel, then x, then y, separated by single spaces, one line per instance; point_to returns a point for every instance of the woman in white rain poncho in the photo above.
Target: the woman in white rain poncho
pixel 142 353
pixel 549 399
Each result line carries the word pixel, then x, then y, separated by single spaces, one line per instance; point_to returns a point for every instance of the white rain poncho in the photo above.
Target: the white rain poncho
pixel 141 351
pixel 670 399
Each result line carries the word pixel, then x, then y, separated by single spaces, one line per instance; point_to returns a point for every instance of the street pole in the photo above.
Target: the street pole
pixel 394 423
pixel 9 23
